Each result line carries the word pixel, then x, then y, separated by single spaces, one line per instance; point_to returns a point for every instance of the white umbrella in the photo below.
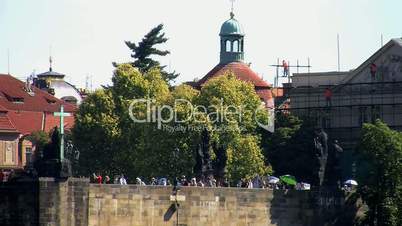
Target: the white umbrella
pixel 273 180
pixel 351 182
pixel 305 186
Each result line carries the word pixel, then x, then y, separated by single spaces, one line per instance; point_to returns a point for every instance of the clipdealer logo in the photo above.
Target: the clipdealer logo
pixel 163 115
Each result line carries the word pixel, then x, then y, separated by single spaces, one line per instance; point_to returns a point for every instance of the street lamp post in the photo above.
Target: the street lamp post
pixel 176 189
pixel 176 185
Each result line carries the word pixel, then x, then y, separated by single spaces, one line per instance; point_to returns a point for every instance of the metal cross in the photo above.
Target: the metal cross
pixel 61 114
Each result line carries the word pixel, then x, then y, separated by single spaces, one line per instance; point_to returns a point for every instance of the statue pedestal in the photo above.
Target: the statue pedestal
pixel 55 168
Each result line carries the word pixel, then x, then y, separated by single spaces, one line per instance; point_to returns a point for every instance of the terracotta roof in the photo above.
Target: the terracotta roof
pixel 2 109
pixel 267 96
pixel 6 124
pixel 25 112
pixel 12 88
pixel 52 121
pixel 26 122
pixel 241 70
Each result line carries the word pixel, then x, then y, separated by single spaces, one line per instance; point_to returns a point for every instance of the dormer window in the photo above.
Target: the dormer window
pixel 50 101
pixel 17 100
pixel 14 99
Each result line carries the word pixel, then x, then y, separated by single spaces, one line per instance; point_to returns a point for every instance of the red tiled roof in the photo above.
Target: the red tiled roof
pixel 11 87
pixel 5 123
pixel 2 109
pixel 241 70
pixel 30 112
pixel 52 121
pixel 266 94
pixel 26 121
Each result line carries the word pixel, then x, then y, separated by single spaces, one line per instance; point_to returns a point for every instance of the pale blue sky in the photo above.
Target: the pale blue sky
pixel 87 35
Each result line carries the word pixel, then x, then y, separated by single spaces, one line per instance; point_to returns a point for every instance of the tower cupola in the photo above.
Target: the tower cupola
pixel 232 41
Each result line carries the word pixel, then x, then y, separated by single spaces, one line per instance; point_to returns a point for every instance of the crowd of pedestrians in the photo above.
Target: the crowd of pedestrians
pixel 97 178
pixel 256 182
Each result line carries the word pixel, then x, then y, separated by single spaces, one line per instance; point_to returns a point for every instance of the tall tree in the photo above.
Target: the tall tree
pixel 380 174
pixel 233 107
pixel 95 133
pixel 145 50
pixel 166 144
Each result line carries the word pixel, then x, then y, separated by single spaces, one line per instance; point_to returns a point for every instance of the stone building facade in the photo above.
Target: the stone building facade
pixel 340 102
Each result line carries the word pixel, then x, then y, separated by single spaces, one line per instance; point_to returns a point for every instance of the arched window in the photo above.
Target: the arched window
pixel 242 46
pixel 228 46
pixel 236 46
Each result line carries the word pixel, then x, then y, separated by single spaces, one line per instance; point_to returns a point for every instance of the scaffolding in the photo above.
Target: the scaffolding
pixel 287 68
pixel 351 105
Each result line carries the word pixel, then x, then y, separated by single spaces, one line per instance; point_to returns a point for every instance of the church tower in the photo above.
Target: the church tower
pixel 232 60
pixel 232 41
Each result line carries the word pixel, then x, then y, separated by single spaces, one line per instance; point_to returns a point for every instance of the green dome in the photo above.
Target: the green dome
pixel 231 27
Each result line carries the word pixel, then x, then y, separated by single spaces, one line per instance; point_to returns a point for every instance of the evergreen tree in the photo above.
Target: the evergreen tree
pixel 144 50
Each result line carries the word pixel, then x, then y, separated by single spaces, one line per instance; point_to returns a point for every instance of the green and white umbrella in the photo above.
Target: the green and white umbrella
pixel 288 179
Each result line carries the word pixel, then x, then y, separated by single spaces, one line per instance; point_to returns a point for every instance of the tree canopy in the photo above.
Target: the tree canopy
pixel 380 174
pixel 291 148
pixel 171 127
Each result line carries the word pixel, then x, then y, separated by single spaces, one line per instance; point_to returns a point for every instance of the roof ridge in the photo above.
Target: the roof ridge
pixel 362 66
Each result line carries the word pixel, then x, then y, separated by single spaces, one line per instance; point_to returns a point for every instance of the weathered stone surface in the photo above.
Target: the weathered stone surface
pixel 211 206
pixel 72 202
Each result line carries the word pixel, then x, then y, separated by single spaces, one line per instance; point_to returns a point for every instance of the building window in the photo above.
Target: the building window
pixel 236 46
pixel 28 155
pixel 228 46
pixel 362 115
pixel 9 153
pixel 326 122
pixel 375 113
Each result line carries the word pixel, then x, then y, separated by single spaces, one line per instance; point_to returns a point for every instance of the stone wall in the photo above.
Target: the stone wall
pixel 19 203
pixel 63 203
pixel 44 201
pixel 75 202
pixel 115 205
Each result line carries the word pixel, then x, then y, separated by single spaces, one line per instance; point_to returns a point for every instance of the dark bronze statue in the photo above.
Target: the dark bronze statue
pixel 51 164
pixel 321 147
pixel 338 151
pixel 203 166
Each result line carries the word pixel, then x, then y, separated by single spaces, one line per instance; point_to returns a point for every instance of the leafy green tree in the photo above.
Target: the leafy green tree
pixel 380 174
pixel 245 159
pixel 95 132
pixel 144 50
pixel 39 139
pixel 291 149
pixel 111 142
pixel 166 144
pixel 232 108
